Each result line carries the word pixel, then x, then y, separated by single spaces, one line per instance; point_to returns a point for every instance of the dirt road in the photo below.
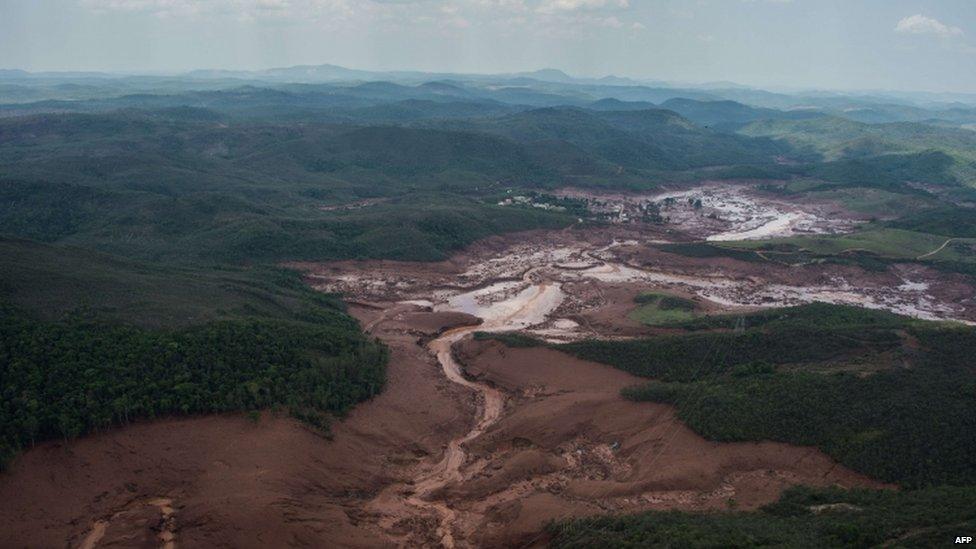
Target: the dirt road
pixel 937 250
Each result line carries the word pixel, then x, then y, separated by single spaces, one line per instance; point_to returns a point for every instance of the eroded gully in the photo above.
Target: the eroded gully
pixel 538 299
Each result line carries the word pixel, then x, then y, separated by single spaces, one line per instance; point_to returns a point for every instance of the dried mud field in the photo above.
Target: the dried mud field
pixel 473 443
pixel 722 212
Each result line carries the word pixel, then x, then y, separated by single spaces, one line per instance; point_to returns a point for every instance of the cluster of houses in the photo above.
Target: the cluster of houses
pixel 528 201
pixel 612 211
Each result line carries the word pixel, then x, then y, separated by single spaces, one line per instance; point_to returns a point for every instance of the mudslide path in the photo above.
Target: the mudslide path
pixel 421 491
pixel 449 468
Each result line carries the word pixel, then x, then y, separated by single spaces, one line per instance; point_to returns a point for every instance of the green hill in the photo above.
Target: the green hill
pixel 134 185
pixel 650 139
pixel 88 341
pixel 838 139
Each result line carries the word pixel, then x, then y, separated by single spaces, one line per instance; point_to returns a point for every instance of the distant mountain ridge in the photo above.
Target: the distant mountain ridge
pixel 330 92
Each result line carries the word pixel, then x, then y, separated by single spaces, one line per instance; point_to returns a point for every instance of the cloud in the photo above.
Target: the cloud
pixel 510 5
pixel 569 17
pixel 242 9
pixel 555 6
pixel 920 24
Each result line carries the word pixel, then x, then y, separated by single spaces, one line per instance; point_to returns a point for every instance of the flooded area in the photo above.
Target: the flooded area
pixel 492 281
pixel 499 285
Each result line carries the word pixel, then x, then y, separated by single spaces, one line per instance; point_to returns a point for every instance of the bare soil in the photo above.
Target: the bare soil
pixel 569 445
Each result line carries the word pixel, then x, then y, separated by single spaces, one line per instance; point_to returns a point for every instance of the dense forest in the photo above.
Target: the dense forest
pixel 66 378
pixel 89 340
pixel 790 375
pixel 811 333
pixel 802 518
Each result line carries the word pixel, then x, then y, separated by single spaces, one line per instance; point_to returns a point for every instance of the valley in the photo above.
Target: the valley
pixel 313 306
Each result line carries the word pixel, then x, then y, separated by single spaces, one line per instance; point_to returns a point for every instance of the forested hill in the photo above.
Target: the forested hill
pixel 179 191
pixel 88 341
pixel 185 184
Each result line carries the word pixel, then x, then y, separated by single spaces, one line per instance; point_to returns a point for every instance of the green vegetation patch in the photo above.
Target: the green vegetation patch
pixel 890 172
pixel 88 341
pixel 769 339
pixel 957 222
pixel 511 339
pixel 706 251
pixel 873 249
pixel 819 315
pixel 802 517
pixel 51 281
pixel 658 309
pixel 70 377
pixel 188 191
pixel 888 242
pixel 877 155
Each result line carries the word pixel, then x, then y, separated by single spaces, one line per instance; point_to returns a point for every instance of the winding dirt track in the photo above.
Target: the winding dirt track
pixel 449 468
pixel 937 250
pixel 492 404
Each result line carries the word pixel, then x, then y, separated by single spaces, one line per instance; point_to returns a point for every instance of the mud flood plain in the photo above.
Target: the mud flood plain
pixel 581 265
pixel 550 436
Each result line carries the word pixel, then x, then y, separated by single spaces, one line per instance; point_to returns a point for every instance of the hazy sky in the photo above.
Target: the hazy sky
pixel 838 44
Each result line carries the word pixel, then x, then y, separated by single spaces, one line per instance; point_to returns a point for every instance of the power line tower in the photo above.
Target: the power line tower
pixel 740 324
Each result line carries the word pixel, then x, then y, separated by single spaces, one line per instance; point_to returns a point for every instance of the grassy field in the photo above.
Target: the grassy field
pixel 887 242
pixel 656 309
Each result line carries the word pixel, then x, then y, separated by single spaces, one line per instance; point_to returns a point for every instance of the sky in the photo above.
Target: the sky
pixel 915 45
